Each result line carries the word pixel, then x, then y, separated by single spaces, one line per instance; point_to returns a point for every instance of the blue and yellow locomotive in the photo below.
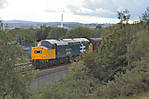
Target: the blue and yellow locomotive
pixel 52 52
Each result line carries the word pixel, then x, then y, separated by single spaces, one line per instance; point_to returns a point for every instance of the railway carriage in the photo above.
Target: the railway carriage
pixel 52 52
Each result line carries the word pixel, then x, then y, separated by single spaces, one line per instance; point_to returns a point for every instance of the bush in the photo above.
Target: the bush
pixel 132 82
pixel 14 84
pixel 75 85
pixel 89 60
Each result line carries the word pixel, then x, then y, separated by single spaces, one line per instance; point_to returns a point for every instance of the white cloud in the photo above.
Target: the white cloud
pixel 74 10
pixel 109 8
pixel 104 11
pixel 90 12
pixel 3 4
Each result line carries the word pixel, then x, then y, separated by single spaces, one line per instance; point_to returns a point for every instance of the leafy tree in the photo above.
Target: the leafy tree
pixel 1 24
pixel 132 82
pixel 49 33
pixel 123 16
pixel 41 33
pixel 56 33
pixel 79 32
pixel 145 16
pixel 13 84
pixel 25 36
pixel 135 79
pixel 89 59
pixel 138 48
pixel 111 57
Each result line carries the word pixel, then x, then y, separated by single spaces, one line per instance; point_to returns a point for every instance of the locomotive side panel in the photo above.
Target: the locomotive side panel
pixel 60 51
pixel 51 54
pixel 76 49
pixel 71 49
pixel 84 46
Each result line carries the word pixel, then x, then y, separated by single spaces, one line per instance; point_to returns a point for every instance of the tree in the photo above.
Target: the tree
pixel 56 33
pixel 135 79
pixel 13 84
pixel 41 33
pixel 50 33
pixel 1 24
pixel 145 16
pixel 123 16
pixel 79 32
pixel 138 48
pixel 26 35
pixel 111 57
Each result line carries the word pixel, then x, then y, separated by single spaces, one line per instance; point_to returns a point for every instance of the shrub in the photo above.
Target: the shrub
pixel 74 85
pixel 132 82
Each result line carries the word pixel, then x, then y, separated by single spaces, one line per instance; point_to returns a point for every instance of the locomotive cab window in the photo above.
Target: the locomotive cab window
pixel 46 44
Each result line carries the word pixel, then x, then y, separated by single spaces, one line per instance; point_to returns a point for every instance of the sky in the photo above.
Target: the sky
pixel 84 11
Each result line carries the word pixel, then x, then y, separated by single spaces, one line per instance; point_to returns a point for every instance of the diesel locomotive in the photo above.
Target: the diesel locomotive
pixel 53 51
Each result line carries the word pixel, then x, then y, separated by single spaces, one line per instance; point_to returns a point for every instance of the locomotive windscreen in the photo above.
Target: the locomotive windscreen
pixel 46 44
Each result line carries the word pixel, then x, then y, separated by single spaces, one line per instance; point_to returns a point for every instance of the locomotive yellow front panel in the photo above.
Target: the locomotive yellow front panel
pixel 41 52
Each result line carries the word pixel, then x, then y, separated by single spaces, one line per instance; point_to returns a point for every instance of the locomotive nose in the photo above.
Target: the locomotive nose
pixel 41 52
pixel 38 52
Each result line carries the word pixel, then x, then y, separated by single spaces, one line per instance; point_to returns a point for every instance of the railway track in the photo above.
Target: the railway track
pixel 25 65
pixel 22 64
pixel 45 71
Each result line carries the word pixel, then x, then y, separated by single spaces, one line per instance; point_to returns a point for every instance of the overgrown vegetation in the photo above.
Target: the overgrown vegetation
pixel 120 68
pixel 73 86
pixel 14 81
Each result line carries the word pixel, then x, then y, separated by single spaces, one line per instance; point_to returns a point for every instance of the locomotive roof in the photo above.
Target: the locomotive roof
pixel 96 39
pixel 76 40
pixel 57 42
pixel 67 41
